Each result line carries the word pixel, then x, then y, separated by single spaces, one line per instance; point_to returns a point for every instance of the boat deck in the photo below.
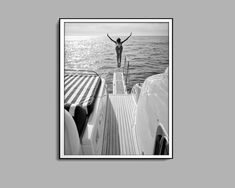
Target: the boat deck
pixel 119 137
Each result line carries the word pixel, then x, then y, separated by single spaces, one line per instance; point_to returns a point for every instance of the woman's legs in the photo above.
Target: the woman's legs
pixel 118 60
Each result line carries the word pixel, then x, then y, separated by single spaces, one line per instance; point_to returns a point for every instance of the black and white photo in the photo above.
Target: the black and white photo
pixel 116 88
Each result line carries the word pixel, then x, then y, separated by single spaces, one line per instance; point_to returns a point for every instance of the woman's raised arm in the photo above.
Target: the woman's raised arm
pixel 127 38
pixel 111 38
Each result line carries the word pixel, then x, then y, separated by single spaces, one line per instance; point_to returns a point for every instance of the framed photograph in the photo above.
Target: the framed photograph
pixel 116 88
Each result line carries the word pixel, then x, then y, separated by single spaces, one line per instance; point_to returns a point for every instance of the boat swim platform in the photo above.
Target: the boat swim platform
pixel 119 86
pixel 119 134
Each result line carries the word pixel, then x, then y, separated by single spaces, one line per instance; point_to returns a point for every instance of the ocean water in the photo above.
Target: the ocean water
pixel 147 55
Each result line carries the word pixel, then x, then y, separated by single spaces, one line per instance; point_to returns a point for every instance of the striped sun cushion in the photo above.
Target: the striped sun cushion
pixel 80 90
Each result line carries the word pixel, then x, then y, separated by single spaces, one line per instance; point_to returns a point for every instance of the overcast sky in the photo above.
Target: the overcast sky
pixel 118 29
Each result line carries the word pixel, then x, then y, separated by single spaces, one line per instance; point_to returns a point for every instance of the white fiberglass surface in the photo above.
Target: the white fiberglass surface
pixel 152 109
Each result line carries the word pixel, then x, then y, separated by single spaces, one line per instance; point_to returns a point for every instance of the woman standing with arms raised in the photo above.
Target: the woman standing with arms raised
pixel 119 48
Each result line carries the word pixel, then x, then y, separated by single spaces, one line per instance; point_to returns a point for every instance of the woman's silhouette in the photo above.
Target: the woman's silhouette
pixel 119 48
